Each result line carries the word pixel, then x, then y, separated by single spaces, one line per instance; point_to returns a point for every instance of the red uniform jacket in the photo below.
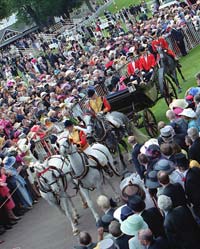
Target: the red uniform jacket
pixel 132 66
pixel 163 43
pixel 147 62
pixel 83 139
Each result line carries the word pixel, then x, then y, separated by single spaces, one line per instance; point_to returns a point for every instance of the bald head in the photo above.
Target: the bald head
pixel 145 237
pixel 163 177
pixel 170 115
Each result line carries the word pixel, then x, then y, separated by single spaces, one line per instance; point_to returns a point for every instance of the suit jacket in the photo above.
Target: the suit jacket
pixel 159 243
pixel 91 246
pixel 100 222
pixel 194 151
pixel 192 185
pixel 181 229
pixel 122 241
pixel 176 192
pixel 154 220
pixel 148 63
pixel 132 66
pixel 177 34
pixel 136 164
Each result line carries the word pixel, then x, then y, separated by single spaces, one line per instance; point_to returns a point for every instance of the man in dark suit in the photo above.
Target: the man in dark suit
pixel 102 224
pixel 191 178
pixel 134 156
pixel 146 239
pixel 194 150
pixel 120 239
pixel 181 229
pixel 178 37
pixel 151 216
pixel 85 241
pixel 174 191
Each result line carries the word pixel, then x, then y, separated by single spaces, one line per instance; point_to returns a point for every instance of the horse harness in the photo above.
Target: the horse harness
pixel 61 174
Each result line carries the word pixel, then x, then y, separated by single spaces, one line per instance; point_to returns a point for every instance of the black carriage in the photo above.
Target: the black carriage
pixel 136 100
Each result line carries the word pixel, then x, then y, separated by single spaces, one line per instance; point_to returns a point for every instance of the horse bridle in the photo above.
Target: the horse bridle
pixel 61 174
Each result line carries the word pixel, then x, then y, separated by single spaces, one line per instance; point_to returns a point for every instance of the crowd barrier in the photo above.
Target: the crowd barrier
pixel 191 38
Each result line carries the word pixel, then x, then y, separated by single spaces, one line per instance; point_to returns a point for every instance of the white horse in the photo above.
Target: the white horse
pixel 86 169
pixel 57 188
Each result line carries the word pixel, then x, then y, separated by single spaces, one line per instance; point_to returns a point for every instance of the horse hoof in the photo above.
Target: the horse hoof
pixel 85 205
pixel 76 232
pixel 76 216
pixel 75 222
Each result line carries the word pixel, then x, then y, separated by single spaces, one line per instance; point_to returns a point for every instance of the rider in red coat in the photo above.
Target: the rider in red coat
pixel 132 67
pixel 160 41
pixel 146 63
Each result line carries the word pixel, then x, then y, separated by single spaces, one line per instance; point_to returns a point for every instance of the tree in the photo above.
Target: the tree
pixel 4 10
pixel 41 11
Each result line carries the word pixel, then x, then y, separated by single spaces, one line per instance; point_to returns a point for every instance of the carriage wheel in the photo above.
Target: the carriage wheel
pixel 169 91
pixel 150 123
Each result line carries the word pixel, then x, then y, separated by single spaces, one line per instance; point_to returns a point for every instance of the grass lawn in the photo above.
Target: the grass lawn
pixel 190 66
pixel 119 4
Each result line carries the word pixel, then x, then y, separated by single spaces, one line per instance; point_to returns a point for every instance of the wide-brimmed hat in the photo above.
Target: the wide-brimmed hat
pixel 106 244
pixel 167 133
pixel 9 161
pixel 164 165
pixel 43 94
pixel 135 203
pixel 188 113
pixel 147 144
pixel 181 103
pixel 152 180
pixel 153 151
pixel 132 179
pixel 133 224
pixel 106 219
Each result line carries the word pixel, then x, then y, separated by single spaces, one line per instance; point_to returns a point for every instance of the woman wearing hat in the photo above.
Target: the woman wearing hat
pixel 131 226
pixel 17 181
pixel 190 116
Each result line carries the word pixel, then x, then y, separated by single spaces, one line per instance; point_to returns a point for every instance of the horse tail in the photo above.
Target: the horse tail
pixel 139 136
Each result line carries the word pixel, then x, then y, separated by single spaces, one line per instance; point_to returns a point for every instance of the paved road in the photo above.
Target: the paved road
pixel 45 228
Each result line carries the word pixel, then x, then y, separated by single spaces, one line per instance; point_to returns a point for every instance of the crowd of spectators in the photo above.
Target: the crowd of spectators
pixel 35 97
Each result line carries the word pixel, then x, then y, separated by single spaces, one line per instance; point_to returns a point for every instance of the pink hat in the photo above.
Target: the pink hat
pixel 35 128
pixel 10 83
pixel 122 79
pixel 33 60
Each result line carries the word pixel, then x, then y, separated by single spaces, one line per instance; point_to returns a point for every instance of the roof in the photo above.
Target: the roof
pixel 15 31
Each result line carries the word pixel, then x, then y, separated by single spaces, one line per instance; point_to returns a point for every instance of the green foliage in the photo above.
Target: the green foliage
pixel 4 10
pixel 41 11
pixel 190 66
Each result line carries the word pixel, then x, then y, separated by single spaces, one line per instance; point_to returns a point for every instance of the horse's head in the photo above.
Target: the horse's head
pixel 65 145
pixel 95 126
pixel 53 176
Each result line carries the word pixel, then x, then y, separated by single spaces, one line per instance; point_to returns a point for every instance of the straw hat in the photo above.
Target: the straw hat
pixel 188 113
pixel 181 103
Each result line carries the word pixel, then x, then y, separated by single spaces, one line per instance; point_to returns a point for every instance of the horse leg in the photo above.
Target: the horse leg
pixel 74 210
pixel 121 158
pixel 83 201
pixel 180 73
pixel 65 204
pixel 117 197
pixel 89 201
